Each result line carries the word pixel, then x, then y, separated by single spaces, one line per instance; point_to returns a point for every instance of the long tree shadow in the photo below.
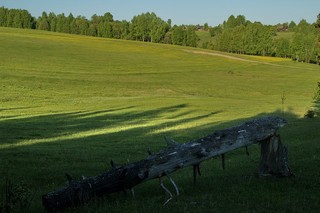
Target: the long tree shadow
pixel 78 136
pixel 42 148
pixel 39 147
pixel 15 130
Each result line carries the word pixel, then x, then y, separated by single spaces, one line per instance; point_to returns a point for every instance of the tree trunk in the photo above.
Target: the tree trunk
pixel 174 157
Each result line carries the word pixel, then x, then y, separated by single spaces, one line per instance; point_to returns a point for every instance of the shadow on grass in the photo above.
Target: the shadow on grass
pixel 122 130
pixel 126 134
pixel 59 128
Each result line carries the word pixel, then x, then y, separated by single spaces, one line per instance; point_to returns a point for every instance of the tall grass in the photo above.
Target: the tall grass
pixel 71 103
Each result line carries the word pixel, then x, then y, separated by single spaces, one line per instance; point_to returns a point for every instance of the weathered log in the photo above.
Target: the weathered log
pixel 174 157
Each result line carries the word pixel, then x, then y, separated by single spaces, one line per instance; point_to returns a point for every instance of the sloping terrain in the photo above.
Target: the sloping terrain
pixel 72 103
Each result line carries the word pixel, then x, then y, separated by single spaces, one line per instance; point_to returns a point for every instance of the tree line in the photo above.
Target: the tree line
pixel 236 34
pixel 147 27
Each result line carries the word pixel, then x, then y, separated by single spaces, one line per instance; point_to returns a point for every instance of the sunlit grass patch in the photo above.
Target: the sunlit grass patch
pixel 269 59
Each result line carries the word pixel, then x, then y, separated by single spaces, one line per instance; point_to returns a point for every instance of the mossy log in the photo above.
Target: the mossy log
pixel 174 157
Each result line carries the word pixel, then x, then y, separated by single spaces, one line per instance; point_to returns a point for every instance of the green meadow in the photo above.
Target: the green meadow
pixel 70 104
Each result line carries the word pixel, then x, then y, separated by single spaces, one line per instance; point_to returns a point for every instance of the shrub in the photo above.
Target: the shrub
pixel 314 111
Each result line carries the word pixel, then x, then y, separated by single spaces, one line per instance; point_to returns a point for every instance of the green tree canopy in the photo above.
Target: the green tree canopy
pixel 148 27
pixel 292 26
pixel 305 43
pixel 178 35
pixel 191 37
pixel 43 22
pixel 318 21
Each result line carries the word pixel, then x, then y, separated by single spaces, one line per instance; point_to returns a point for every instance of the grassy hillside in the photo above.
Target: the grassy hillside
pixel 71 103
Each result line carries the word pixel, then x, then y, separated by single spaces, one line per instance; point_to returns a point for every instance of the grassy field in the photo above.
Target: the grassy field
pixel 72 103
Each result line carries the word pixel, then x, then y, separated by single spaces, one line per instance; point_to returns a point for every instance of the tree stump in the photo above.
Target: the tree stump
pixel 274 158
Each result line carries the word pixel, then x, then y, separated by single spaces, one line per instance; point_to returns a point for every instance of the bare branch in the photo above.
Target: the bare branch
pixel 167 190
pixel 173 183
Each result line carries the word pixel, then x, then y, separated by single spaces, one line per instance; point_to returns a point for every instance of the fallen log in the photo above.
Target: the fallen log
pixel 174 157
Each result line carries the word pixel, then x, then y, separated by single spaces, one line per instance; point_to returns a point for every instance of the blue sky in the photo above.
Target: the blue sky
pixel 212 12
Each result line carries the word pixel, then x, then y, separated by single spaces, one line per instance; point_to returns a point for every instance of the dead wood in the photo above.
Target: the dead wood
pixel 174 157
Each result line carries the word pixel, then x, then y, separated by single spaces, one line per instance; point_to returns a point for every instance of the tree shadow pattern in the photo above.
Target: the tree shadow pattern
pixel 89 155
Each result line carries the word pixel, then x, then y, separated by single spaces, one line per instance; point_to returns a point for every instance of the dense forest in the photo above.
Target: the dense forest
pixel 236 35
pixel 239 35
pixel 146 27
